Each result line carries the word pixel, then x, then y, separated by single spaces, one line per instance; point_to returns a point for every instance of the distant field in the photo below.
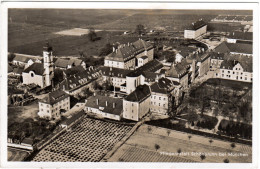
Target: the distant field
pixel 29 29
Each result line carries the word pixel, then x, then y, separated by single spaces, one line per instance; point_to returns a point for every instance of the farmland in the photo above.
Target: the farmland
pixel 181 147
pixel 88 140
pixel 29 29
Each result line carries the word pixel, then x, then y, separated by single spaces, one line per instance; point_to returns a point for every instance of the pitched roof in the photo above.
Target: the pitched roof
pixel 127 52
pixel 196 25
pixel 37 68
pixel 92 102
pixel 78 80
pixel 18 70
pixel 54 97
pixel 151 66
pixel 163 86
pixel 139 94
pixel 225 47
pixel 216 55
pixel 25 58
pixel 178 70
pixel 241 35
pixel 228 64
pixel 74 70
pixel 63 63
pixel 10 68
pixel 114 72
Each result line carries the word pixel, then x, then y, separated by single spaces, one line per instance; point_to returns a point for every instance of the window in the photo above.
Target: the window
pixel 154 97
pixel 222 71
pixel 233 72
pixel 47 105
pixel 163 105
pixel 159 98
pixel 241 77
pixel 241 73
pixel 164 99
pixel 159 104
pixel 32 75
pixel 47 111
pixel 41 109
pixel 245 78
pixel 228 71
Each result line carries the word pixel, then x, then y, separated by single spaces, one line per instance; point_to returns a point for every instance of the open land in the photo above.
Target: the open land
pixel 140 149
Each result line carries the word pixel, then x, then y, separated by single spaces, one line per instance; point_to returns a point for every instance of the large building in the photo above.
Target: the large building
pixel 240 37
pixel 105 106
pixel 195 30
pixel 40 73
pixel 216 60
pixel 162 96
pixel 51 106
pixel 234 70
pixel 76 83
pixel 127 56
pixel 235 48
pixel 137 104
pixel 179 73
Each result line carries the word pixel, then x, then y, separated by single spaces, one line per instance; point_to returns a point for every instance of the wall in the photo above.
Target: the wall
pixel 36 79
pixel 130 110
pixel 204 67
pixel 159 103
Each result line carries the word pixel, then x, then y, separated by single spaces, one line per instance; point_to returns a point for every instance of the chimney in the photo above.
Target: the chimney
pixel 114 105
pixel 128 44
pixel 106 103
pixel 97 101
pixel 114 49
pixel 233 33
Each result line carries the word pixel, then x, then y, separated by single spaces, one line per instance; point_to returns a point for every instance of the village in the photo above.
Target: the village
pixel 190 91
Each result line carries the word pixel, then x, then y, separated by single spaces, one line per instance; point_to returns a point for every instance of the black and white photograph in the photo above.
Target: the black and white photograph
pixel 124 85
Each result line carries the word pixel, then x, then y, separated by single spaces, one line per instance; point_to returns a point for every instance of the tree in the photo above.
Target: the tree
pixel 11 56
pixel 149 129
pixel 157 147
pixel 226 160
pixel 210 141
pixel 179 151
pixel 202 157
pixel 107 49
pixel 92 34
pixel 168 132
pixel 140 29
pixel 233 145
pixel 216 111
pixel 189 136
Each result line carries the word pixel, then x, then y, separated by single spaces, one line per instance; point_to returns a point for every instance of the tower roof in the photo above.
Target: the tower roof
pixel 47 47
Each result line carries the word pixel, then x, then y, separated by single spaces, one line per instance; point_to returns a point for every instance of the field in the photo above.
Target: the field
pixel 88 140
pixel 178 147
pixel 30 29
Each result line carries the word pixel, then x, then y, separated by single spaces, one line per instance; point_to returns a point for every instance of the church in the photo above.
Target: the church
pixel 41 73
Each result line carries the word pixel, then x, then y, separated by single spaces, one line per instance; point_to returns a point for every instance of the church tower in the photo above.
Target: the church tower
pixel 48 64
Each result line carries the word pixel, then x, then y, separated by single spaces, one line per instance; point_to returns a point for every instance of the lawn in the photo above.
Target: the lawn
pixel 140 147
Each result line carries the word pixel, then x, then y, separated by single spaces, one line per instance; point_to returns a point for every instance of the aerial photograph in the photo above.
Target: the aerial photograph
pixel 130 85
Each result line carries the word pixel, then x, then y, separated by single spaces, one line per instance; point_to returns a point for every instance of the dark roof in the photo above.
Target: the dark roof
pixel 18 70
pixel 178 70
pixel 92 102
pixel 10 68
pixel 63 63
pixel 114 72
pixel 73 71
pixel 196 25
pixel 225 47
pixel 54 97
pixel 74 117
pixel 150 76
pixel 28 141
pixel 151 66
pixel 215 55
pixel 228 64
pixel 140 94
pixel 241 35
pixel 21 58
pixel 37 68
pixel 12 90
pixel 128 51
pixel 78 80
pixel 163 86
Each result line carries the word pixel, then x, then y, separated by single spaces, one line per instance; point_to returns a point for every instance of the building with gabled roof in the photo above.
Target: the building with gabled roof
pixel 163 95
pixel 195 30
pixel 105 106
pixel 240 37
pixel 216 60
pixel 80 81
pixel 26 60
pixel 234 70
pixel 137 104
pixel 126 55
pixel 235 48
pixel 52 105
pixel 68 63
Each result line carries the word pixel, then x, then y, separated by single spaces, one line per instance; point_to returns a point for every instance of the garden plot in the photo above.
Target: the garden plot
pixel 75 32
pixel 88 140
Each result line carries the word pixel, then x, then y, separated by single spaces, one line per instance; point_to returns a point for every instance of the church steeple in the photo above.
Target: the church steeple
pixel 48 64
